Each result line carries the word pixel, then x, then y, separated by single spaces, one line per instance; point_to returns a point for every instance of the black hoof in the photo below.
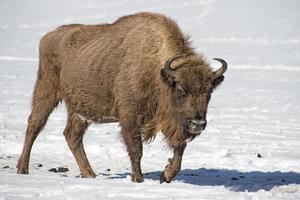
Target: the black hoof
pixel 22 170
pixel 163 179
pixel 137 179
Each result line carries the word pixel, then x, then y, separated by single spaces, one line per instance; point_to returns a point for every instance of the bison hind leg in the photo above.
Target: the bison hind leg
pixel 44 101
pixel 74 132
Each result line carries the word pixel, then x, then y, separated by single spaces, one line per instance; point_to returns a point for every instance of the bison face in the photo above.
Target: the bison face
pixel 191 85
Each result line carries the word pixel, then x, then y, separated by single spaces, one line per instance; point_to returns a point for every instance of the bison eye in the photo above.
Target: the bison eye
pixel 180 92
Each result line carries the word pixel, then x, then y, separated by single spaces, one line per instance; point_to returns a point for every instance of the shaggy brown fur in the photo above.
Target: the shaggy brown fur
pixel 114 72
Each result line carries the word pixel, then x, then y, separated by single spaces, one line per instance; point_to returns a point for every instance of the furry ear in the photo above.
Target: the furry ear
pixel 218 81
pixel 167 78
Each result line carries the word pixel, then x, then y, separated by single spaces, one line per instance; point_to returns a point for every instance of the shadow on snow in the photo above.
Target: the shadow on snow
pixel 233 180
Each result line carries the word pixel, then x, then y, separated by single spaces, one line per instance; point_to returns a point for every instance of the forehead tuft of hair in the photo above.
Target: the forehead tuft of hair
pixel 195 78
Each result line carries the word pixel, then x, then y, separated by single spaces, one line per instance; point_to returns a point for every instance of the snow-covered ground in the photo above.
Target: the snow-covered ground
pixel 255 112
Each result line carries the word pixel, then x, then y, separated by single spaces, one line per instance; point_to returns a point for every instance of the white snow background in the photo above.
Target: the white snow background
pixel 255 111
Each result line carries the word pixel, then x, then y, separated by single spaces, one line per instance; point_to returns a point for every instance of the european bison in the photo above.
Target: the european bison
pixel 140 71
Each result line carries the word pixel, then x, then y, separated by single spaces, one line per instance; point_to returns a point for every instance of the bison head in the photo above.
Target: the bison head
pixel 191 82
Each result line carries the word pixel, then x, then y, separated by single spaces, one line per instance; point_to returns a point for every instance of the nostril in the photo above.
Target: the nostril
pixel 203 123
pixel 192 124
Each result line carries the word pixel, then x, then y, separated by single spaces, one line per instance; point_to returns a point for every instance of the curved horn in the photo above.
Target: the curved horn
pixel 222 70
pixel 168 68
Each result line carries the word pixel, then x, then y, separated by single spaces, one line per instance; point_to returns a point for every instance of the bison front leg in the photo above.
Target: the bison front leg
pixel 133 141
pixel 174 165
